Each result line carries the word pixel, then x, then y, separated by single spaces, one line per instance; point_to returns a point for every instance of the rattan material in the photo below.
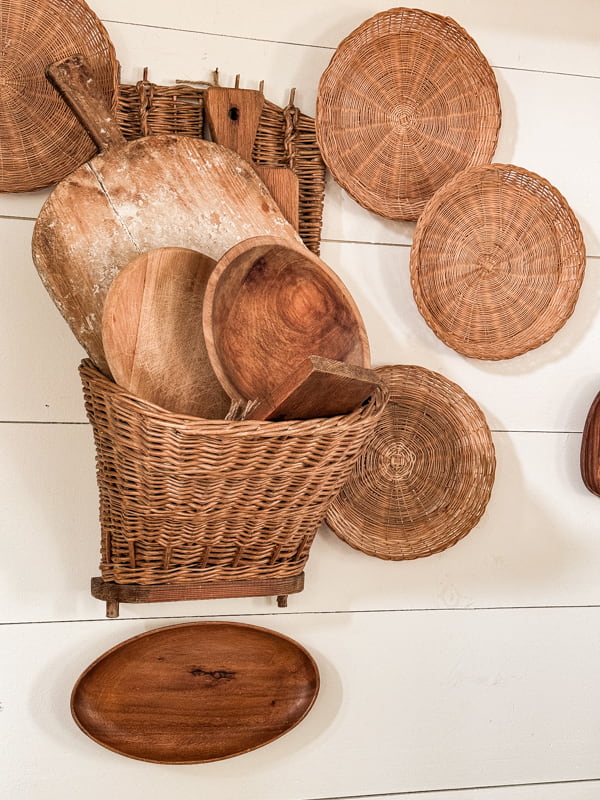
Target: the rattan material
pixel 407 101
pixel 497 262
pixel 188 499
pixel 285 138
pixel 146 109
pixel 425 478
pixel 41 140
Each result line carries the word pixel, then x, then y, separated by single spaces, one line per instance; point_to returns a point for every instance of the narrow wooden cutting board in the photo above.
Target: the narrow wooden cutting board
pixel 233 117
pixel 152 332
pixel 319 387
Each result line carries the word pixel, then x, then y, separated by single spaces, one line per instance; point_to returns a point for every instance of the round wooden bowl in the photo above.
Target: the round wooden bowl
pixel 41 140
pixel 268 305
pixel 425 477
pixel 407 101
pixel 497 262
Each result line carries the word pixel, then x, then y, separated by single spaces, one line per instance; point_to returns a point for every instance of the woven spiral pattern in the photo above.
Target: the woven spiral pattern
pixel 183 498
pixel 425 478
pixel 407 101
pixel 41 140
pixel 497 262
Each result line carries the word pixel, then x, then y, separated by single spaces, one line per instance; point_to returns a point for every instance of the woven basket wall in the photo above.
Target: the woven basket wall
pixel 184 498
pixel 285 138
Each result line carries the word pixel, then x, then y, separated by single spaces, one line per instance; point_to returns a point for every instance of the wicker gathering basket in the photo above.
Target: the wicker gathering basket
pixel 187 499
pixel 41 141
pixel 425 477
pixel 406 102
pixel 497 262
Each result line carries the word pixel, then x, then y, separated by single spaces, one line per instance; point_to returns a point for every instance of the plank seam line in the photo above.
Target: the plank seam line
pixel 416 792
pixel 280 615
pixel 317 46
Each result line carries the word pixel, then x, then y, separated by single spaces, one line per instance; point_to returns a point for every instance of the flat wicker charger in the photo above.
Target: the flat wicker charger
pixel 41 141
pixel 193 508
pixel 407 101
pixel 425 478
pixel 497 262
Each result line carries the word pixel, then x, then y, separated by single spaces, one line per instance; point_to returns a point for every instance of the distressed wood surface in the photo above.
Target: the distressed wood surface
pixel 156 192
pixel 195 692
pixel 152 332
pixel 233 116
pixel 269 305
pixel 590 448
pixel 319 387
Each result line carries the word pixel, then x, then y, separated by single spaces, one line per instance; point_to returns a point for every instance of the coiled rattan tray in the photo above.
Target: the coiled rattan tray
pixel 407 101
pixel 497 262
pixel 425 478
pixel 41 140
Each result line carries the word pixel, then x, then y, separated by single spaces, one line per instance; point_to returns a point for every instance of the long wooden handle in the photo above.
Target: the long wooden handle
pixel 73 79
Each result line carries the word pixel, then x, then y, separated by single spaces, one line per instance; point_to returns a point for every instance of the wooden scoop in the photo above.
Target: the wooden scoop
pixel 233 117
pixel 319 387
pixel 590 448
pixel 152 332
pixel 158 191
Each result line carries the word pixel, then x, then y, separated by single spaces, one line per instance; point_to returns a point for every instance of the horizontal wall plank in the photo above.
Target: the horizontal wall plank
pixel 532 35
pixel 559 146
pixel 576 790
pixel 536 545
pixel 408 702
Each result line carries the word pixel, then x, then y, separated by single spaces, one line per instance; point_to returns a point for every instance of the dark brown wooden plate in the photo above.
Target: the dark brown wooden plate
pixel 195 692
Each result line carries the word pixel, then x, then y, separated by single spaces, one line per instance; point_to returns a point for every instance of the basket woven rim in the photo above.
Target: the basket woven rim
pixel 567 291
pixel 48 142
pixel 218 427
pixel 349 515
pixel 482 147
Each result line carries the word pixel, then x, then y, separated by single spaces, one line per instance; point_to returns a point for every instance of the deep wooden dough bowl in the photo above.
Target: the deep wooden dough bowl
pixel 269 304
pixel 159 191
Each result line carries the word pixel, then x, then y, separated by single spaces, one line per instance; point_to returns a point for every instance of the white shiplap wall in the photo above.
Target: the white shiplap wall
pixel 469 675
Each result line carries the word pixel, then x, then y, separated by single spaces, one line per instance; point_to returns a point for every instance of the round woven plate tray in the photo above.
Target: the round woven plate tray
pixel 41 141
pixel 425 478
pixel 407 101
pixel 497 262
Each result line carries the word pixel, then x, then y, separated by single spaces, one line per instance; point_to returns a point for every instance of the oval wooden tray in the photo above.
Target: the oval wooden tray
pixel 195 692
pixel 425 478
pixel 590 448
pixel 407 101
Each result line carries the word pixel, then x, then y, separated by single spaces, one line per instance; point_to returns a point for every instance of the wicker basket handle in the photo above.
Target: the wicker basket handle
pixel 73 79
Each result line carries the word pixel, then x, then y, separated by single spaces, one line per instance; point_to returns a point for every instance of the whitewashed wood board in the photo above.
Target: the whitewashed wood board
pixel 409 701
pixel 533 35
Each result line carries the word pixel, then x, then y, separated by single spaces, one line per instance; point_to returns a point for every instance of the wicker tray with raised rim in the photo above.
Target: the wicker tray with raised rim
pixel 407 101
pixel 425 478
pixel 497 262
pixel 41 141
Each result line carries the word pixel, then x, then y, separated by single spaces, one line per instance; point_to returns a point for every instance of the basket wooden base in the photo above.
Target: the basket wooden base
pixel 115 593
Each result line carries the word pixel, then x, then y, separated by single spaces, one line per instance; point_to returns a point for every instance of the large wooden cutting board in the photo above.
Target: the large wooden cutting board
pixel 153 337
pixel 161 191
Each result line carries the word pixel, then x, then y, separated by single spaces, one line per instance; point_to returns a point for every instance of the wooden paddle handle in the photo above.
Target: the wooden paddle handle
pixel 233 116
pixel 73 79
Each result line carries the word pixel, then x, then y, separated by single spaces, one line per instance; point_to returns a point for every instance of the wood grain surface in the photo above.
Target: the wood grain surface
pixel 195 692
pixel 152 332
pixel 268 306
pixel 161 191
pixel 590 448
pixel 319 387
pixel 233 117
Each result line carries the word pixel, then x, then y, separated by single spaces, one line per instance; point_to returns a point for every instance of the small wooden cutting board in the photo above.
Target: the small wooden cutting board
pixel 152 332
pixel 319 387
